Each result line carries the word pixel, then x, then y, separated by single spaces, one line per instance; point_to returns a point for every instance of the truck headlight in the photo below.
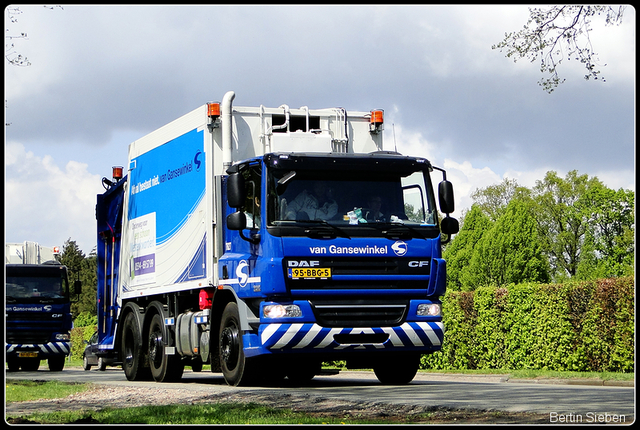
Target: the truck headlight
pixel 62 337
pixel 428 310
pixel 281 311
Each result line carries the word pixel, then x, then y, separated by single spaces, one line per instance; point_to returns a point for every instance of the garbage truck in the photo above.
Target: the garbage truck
pixel 268 241
pixel 38 307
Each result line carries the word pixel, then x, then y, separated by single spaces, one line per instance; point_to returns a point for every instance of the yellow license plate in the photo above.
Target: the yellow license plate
pixel 310 273
pixel 27 354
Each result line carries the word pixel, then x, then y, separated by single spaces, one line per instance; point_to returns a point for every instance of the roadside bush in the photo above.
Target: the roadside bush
pixel 84 326
pixel 586 326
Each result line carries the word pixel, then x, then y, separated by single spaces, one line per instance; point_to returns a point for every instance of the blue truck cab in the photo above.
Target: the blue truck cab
pixel 38 316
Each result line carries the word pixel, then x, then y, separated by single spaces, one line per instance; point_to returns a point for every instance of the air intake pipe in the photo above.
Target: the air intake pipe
pixel 227 130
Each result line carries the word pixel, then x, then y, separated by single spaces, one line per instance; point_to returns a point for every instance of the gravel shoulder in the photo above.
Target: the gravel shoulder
pixel 117 395
pixel 101 396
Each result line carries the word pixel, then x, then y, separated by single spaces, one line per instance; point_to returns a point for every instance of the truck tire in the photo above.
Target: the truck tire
pixel 56 364
pixel 164 368
pixel 299 372
pixel 30 364
pixel 397 370
pixel 13 364
pixel 132 362
pixel 236 368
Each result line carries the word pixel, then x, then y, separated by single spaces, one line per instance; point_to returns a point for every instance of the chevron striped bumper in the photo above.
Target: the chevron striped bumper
pixel 44 350
pixel 425 336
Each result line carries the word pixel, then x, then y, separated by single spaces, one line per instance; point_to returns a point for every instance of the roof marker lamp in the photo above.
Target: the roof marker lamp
pixel 376 121
pixel 116 172
pixel 428 310
pixel 213 112
pixel 281 311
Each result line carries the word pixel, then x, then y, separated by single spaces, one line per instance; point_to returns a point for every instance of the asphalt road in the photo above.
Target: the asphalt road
pixel 561 401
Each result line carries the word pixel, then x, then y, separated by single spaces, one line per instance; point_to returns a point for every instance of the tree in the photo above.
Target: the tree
pixel 563 215
pixel 459 252
pixel 82 269
pixel 511 252
pixel 558 33
pixel 493 200
pixel 611 234
pixel 10 51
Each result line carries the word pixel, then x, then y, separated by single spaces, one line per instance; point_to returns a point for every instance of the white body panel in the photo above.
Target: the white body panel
pixel 28 253
pixel 169 237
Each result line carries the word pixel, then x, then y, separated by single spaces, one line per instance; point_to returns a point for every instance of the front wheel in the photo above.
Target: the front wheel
pixel 397 370
pixel 56 364
pixel 236 369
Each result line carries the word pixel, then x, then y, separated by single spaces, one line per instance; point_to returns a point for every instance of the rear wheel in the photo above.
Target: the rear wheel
pixel 236 368
pixel 399 370
pixel 164 368
pixel 132 357
pixel 85 363
pixel 102 364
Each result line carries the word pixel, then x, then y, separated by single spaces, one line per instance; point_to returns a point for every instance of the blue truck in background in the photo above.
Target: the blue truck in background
pixel 38 307
pixel 266 241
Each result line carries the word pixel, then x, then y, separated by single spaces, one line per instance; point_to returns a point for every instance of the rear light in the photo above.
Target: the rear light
pixel 205 298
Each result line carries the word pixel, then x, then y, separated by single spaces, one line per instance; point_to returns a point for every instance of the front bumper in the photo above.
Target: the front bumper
pixel 311 338
pixel 45 350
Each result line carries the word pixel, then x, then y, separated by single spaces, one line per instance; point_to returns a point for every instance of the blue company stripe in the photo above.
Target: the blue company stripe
pixel 195 268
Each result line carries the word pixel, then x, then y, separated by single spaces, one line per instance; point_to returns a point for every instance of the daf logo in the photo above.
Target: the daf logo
pixel 303 263
pixel 400 248
pixel 418 263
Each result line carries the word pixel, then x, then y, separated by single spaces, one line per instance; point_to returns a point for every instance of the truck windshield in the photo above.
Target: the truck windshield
pixel 352 199
pixel 34 287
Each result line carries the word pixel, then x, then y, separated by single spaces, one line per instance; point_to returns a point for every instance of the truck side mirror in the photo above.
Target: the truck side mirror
pixel 77 287
pixel 449 225
pixel 445 196
pixel 237 221
pixel 236 191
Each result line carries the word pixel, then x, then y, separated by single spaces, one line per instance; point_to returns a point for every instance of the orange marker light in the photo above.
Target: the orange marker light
pixel 377 117
pixel 117 172
pixel 213 109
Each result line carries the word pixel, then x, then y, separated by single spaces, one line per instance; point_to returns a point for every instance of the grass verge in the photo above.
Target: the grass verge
pixel 542 374
pixel 21 391
pixel 217 413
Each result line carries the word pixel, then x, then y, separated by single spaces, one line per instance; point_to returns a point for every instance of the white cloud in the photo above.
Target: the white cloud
pixel 466 179
pixel 46 203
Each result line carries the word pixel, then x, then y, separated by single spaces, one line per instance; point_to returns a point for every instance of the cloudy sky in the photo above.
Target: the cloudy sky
pixel 103 76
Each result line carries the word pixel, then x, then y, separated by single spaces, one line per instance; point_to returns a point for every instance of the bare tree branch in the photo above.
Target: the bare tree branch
pixel 558 33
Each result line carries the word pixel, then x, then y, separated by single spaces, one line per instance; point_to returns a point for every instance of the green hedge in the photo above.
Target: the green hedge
pixel 78 336
pixel 586 326
pixel 84 326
